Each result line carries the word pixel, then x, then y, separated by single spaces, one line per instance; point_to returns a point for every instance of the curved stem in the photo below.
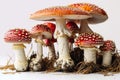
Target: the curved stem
pixel 84 27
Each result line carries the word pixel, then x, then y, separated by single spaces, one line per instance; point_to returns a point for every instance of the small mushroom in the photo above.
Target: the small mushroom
pixel 50 42
pixel 51 49
pixel 108 49
pixel 89 43
pixel 73 28
pixel 60 14
pixel 18 37
pixel 98 15
pixel 39 32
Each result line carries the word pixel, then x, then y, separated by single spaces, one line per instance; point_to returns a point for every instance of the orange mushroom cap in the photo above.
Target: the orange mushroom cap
pixel 98 14
pixel 58 12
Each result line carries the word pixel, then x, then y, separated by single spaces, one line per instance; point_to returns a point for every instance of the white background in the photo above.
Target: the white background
pixel 16 13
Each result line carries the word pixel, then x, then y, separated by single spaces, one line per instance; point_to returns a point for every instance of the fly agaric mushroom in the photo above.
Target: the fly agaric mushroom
pixel 98 15
pixel 60 14
pixel 73 28
pixel 51 49
pixel 108 49
pixel 18 37
pixel 50 42
pixel 39 32
pixel 89 42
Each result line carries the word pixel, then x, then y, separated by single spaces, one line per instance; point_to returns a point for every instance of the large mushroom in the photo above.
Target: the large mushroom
pixel 108 50
pixel 98 15
pixel 60 14
pixel 89 42
pixel 50 42
pixel 18 37
pixel 39 32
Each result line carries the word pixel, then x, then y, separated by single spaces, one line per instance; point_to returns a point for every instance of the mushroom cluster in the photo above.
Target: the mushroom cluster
pixel 68 27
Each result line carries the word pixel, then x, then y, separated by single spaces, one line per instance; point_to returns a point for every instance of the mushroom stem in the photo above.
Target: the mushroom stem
pixel 51 52
pixel 61 29
pixel 39 49
pixel 21 62
pixel 61 32
pixel 63 47
pixel 107 58
pixel 90 54
pixel 84 27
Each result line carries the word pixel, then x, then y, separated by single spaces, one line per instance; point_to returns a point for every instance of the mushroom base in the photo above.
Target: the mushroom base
pixel 49 64
pixel 34 66
pixel 115 66
pixel 87 68
pixel 77 55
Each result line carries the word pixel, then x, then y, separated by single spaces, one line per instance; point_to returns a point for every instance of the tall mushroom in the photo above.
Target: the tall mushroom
pixel 60 14
pixel 98 15
pixel 18 37
pixel 50 42
pixel 108 49
pixel 39 32
pixel 89 42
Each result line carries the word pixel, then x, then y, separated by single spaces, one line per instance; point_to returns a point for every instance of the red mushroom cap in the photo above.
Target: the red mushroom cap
pixel 108 45
pixel 98 14
pixel 72 26
pixel 17 36
pixel 42 30
pixel 48 42
pixel 89 40
pixel 52 26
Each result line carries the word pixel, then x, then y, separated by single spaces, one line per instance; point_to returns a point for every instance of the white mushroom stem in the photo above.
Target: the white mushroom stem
pixel 61 33
pixel 61 29
pixel 51 52
pixel 21 62
pixel 39 43
pixel 107 58
pixel 84 26
pixel 63 47
pixel 90 54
